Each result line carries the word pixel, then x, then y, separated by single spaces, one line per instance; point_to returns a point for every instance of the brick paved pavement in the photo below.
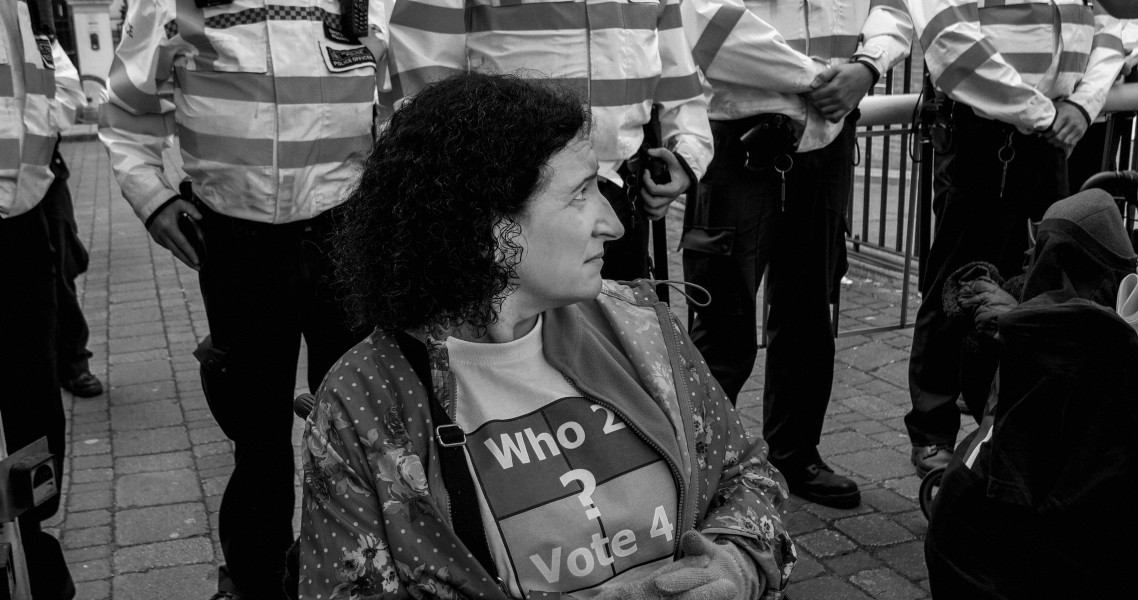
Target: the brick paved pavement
pixel 147 463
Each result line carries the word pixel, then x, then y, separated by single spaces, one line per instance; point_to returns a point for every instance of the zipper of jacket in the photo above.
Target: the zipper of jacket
pixel 676 474
pixel 665 316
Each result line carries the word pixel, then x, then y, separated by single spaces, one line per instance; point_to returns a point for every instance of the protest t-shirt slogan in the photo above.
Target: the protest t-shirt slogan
pixel 578 496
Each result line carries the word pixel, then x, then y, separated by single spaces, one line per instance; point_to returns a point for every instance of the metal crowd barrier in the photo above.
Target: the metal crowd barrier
pixel 889 215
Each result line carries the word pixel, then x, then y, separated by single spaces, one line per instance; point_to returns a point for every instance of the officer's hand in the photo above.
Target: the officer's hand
pixel 838 90
pixel 164 229
pixel 1067 128
pixel 656 196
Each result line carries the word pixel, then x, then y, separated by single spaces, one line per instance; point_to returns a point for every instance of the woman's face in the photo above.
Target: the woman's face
pixel 563 231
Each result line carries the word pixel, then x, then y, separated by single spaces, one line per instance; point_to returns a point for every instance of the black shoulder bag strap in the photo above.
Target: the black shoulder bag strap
pixel 464 513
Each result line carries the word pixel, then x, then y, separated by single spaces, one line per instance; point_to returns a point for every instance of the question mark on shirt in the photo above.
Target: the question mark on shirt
pixel 589 483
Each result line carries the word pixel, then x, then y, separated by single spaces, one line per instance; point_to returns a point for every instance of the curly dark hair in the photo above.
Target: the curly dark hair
pixel 427 234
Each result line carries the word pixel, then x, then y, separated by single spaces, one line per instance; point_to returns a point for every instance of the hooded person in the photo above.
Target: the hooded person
pixel 1036 496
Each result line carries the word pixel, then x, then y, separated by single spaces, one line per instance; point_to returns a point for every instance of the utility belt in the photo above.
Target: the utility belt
pixel 947 119
pixel 318 227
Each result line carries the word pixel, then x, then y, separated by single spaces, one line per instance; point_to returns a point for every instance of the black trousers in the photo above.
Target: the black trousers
pixel 974 223
pixel 745 227
pixel 71 261
pixel 30 400
pixel 264 287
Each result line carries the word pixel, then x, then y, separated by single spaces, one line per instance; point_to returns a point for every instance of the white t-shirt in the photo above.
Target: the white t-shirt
pixel 570 496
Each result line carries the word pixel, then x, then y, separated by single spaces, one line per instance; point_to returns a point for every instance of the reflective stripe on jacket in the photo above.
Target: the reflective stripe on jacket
pixel 622 56
pixel 1009 59
pixel 28 109
pixel 272 106
pixel 761 55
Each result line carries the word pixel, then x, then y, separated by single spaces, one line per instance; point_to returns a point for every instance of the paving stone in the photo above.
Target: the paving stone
pixel 188 582
pixel 844 442
pixel 898 372
pixel 825 588
pixel 908 487
pixel 154 462
pixel 89 553
pixel 883 584
pixel 99 428
pixel 806 567
pixel 870 427
pixel 908 559
pixel 146 392
pixel 872 406
pixel 214 462
pixel 91 446
pixel 167 439
pixel 160 523
pixel 164 554
pixel 91 570
pixel 90 405
pixel 873 530
pixel 93 486
pixel 93 475
pixel 143 372
pixel 885 500
pixel 137 315
pixel 93 590
pixel 205 435
pixel 854 562
pixel 894 439
pixel 90 501
pixel 138 357
pixel 90 462
pixel 146 415
pixel 873 355
pixel 914 521
pixel 850 376
pixel 139 343
pixel 90 518
pixel 877 464
pixel 91 536
pixel 801 521
pixel 212 449
pixel 90 418
pixel 825 543
pixel 163 487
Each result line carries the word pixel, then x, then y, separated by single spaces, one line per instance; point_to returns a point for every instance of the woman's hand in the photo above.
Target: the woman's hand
pixel 708 571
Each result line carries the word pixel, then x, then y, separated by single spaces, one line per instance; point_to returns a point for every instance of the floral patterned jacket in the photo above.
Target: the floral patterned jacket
pixel 376 518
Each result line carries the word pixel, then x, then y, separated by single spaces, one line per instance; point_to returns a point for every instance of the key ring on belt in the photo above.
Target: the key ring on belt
pixel 782 171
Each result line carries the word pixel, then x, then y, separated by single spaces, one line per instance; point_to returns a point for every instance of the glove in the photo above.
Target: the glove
pixel 709 571
pixel 988 302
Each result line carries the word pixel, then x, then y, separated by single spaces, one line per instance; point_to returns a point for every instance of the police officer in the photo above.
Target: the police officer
pixel 1023 80
pixel 272 105
pixel 775 196
pixel 39 92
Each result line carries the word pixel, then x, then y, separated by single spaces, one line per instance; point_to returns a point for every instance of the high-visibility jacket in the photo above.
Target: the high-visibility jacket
pixel 622 56
pixel 1129 44
pixel 1010 59
pixel 760 56
pixel 271 102
pixel 32 114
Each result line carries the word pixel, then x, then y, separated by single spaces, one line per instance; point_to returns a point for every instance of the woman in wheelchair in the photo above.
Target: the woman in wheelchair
pixel 515 426
pixel 1038 502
